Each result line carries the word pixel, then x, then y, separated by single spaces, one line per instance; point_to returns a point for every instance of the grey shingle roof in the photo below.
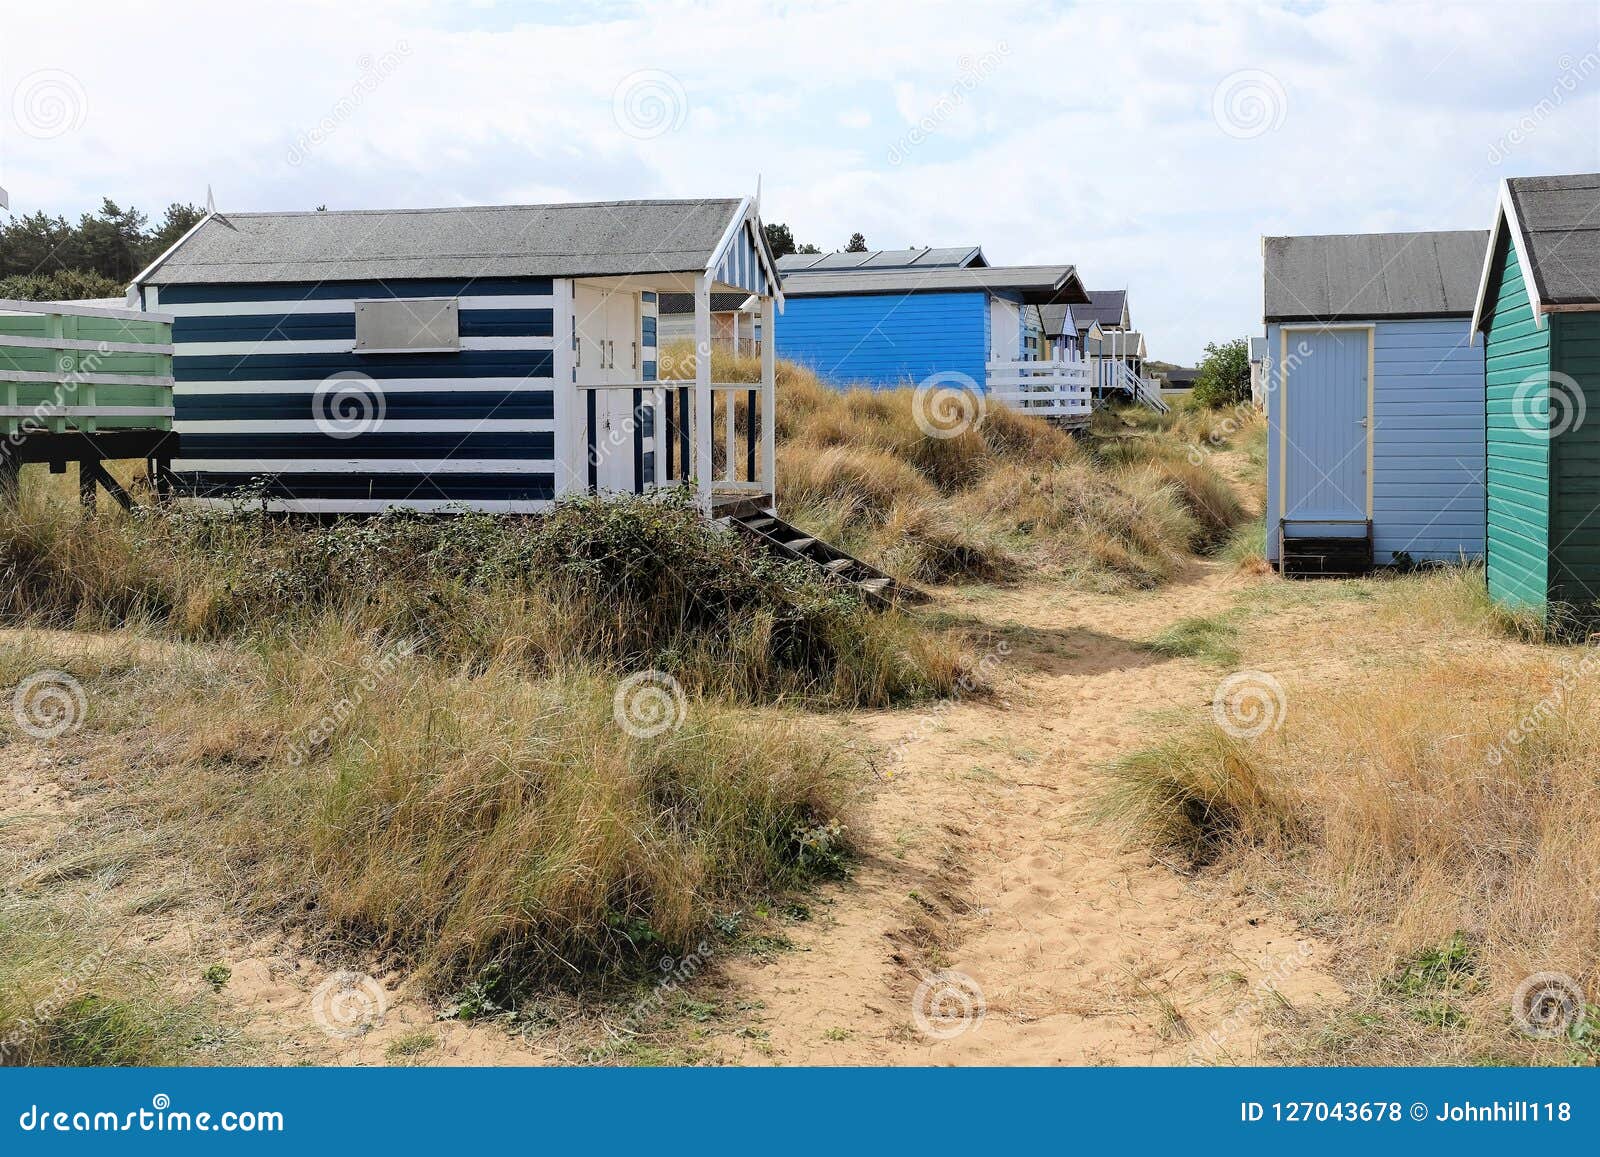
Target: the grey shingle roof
pixel 1035 284
pixel 575 240
pixel 1560 219
pixel 1104 306
pixel 1054 319
pixel 1363 276
pixel 951 257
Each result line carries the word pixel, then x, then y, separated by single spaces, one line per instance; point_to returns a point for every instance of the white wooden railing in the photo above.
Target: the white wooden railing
pixel 1147 391
pixel 1112 375
pixel 745 442
pixel 1045 389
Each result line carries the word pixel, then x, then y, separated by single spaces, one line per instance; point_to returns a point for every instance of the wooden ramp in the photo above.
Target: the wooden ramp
pixel 773 534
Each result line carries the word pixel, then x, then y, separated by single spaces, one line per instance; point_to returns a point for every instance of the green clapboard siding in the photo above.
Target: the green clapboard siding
pixel 1575 517
pixel 69 367
pixel 1518 543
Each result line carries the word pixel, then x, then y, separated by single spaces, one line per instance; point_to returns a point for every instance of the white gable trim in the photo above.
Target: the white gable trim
pixel 1505 217
pixel 139 280
pixel 747 216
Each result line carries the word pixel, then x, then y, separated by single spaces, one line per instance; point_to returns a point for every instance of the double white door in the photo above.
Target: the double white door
pixel 607 329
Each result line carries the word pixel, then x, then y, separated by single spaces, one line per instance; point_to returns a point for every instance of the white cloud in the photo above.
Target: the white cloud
pixel 1081 134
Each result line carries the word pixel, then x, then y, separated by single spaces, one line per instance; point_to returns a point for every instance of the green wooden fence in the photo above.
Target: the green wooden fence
pixel 76 368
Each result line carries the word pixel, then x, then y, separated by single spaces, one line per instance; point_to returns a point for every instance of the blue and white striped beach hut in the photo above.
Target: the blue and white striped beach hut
pixel 490 358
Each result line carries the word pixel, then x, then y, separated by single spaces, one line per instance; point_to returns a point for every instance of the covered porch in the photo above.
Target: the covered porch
pixel 643 423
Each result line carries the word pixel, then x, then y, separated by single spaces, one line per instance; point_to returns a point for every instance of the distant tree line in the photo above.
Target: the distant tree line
pixel 44 258
pixel 781 238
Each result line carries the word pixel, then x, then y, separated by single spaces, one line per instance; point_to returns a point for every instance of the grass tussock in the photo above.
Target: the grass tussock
pixel 1211 640
pixel 624 585
pixel 392 810
pixel 1006 496
pixel 457 822
pixel 1457 598
pixel 70 998
pixel 1462 811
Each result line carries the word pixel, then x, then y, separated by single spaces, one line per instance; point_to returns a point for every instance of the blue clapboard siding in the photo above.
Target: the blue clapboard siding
pixel 248 417
pixel 265 366
pixel 1427 451
pixel 1428 490
pixel 342 326
pixel 417 447
pixel 888 339
pixel 465 405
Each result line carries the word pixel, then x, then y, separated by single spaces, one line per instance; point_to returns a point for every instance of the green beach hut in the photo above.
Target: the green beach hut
pixel 1538 311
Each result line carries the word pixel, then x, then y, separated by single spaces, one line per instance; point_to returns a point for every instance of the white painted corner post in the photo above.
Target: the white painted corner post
pixel 769 399
pixel 571 415
pixel 703 470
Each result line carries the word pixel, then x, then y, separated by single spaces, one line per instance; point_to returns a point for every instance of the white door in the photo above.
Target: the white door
pixel 1005 330
pixel 607 352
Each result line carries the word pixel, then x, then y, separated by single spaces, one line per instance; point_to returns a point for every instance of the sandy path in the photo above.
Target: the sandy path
pixel 978 860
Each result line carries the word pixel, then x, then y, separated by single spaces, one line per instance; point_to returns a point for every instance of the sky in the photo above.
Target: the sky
pixel 1150 145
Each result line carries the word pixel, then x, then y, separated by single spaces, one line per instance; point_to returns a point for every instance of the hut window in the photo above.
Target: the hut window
pixel 408 325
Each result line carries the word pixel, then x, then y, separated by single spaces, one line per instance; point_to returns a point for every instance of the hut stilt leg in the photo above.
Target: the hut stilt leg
pixel 10 479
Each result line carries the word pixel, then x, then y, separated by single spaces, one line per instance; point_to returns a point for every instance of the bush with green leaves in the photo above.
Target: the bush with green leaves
pixel 1224 374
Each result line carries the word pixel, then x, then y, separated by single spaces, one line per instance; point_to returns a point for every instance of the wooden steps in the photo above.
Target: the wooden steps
pixel 773 534
pixel 1324 557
